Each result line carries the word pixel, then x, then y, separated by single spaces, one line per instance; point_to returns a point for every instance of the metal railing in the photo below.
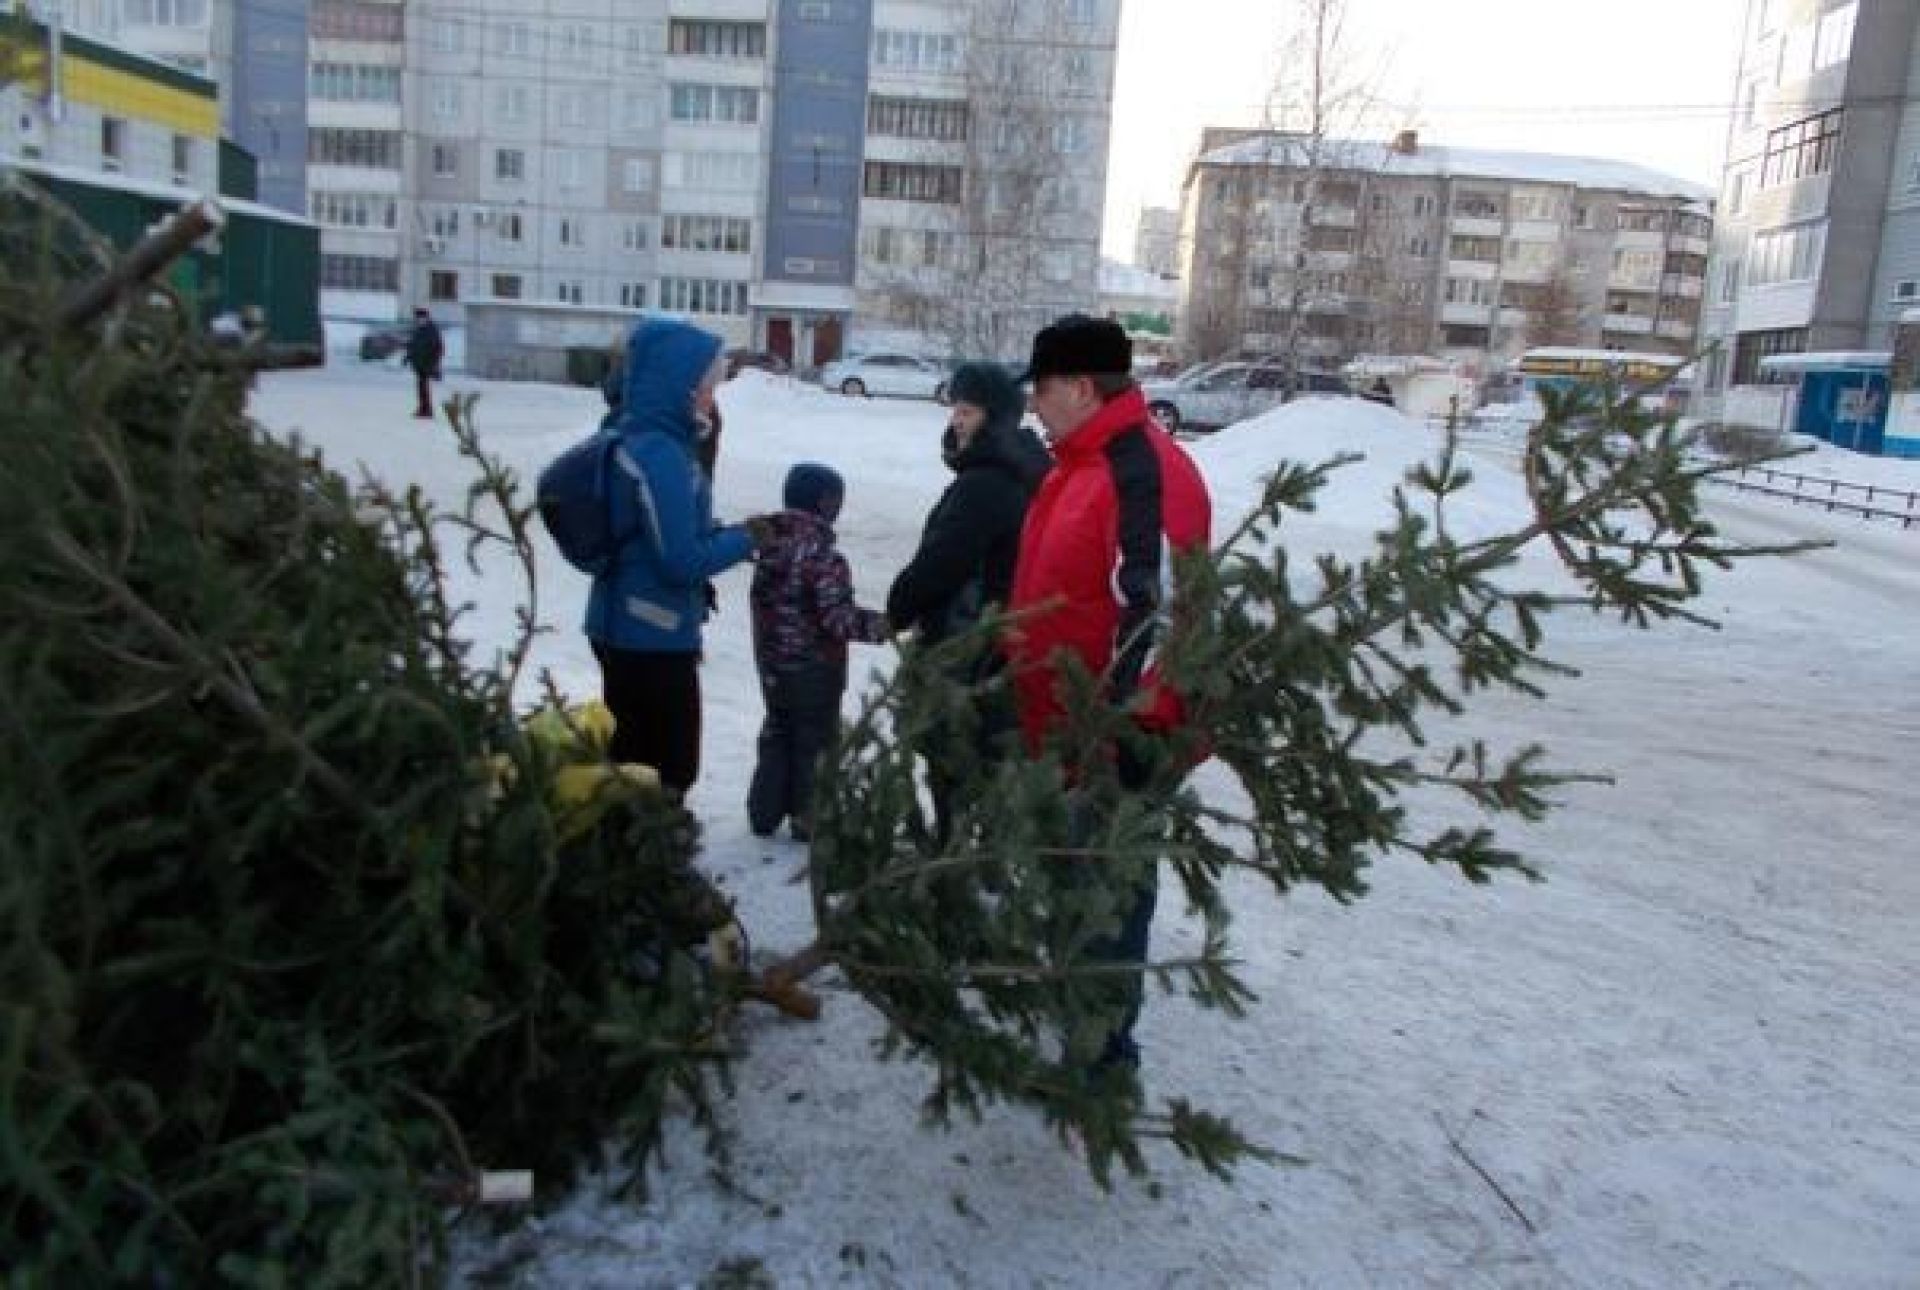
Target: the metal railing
pixel 1868 501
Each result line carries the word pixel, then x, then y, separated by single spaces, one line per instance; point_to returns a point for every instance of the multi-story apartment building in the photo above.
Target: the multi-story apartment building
pixel 791 173
pixel 1818 243
pixel 86 105
pixel 253 51
pixel 1332 248
pixel 1156 241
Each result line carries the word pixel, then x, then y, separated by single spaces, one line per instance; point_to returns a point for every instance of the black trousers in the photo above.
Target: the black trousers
pixel 424 385
pixel 655 701
pixel 803 711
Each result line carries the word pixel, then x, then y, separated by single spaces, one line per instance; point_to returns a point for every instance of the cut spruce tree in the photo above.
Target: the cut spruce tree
pixel 302 929
pixel 1317 684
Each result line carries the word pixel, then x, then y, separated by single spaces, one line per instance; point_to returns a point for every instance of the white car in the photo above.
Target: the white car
pixel 1228 392
pixel 902 375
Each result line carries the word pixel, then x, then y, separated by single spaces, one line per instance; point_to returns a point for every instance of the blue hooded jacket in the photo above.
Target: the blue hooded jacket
pixel 653 599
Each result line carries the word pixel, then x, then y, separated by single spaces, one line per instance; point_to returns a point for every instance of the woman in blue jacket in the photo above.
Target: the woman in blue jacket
pixel 644 613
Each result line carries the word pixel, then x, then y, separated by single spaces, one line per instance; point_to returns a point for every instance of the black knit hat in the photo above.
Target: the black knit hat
pixel 810 485
pixel 989 387
pixel 1079 345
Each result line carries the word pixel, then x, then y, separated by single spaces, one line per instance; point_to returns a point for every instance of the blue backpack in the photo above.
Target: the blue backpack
pixel 575 497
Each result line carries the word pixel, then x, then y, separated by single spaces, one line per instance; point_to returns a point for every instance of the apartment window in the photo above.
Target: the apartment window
pixel 113 139
pixel 444 221
pixel 359 273
pixel 1542 204
pixel 1642 219
pixel 908 182
pixel 915 51
pixel 1078 70
pixel 509 164
pixel 570 167
pixel 905 118
pixel 510 227
pixel 1483 249
pixel 1455 336
pixel 1791 254
pixel 699 38
pixel 633 235
pixel 446 99
pixel 443 285
pixel 506 286
pixel 370 149
pixel 1749 347
pixel 726 104
pixel 726 233
pixel 1635 266
pixel 1069 135
pixel 446 161
pixel 703 296
pixel 1471 203
pixel 1423 204
pixel 1420 247
pixel 1469 291
pixel 1834 41
pixel 353 83
pixel 166 13
pixel 449 35
pixel 1082 12
pixel 634 45
pixel 1802 149
pixel 726 171
pixel 510 104
pixel 633 295
pixel 352 21
pixel 182 156
pixel 571 107
pixel 569 293
pixel 513 40
pixel 637 109
pixel 816 11
pixel 636 176
pixel 577 43
pixel 573 232
pixel 353 210
pixel 1582 215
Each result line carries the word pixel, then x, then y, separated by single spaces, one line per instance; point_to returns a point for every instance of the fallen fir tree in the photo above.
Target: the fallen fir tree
pixel 1316 686
pixel 301 930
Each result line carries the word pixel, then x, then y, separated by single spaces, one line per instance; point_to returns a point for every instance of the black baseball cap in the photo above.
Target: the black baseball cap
pixel 1080 345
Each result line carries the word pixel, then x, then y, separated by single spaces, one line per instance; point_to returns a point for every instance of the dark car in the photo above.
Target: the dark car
pixel 381 342
pixel 759 359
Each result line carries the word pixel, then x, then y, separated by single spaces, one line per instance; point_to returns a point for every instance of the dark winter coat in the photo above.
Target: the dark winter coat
pixel 803 607
pixel 425 349
pixel 967 549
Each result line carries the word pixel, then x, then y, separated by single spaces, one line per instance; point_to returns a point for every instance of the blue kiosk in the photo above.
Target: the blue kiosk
pixel 1840 396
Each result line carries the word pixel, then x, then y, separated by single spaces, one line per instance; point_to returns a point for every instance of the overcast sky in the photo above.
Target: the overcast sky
pixel 1647 81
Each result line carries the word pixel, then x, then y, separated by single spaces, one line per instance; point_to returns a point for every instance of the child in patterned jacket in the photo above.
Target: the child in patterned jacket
pixel 803 617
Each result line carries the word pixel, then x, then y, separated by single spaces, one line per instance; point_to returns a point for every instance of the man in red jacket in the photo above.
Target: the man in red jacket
pixel 1094 575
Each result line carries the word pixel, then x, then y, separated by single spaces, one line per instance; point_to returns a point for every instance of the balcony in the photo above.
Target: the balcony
pixel 1484 270
pixel 1335 217
pixel 1475 226
pixel 1627 324
pixel 1676 329
pixel 1466 313
pixel 1692 245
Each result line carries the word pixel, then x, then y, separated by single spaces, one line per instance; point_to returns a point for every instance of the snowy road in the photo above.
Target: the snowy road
pixel 1688 1058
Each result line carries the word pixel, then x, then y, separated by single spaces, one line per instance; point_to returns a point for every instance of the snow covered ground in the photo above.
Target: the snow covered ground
pixel 1691 1057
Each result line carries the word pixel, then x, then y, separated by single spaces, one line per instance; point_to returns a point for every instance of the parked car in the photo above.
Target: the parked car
pixel 902 375
pixel 1228 392
pixel 760 359
pixel 383 341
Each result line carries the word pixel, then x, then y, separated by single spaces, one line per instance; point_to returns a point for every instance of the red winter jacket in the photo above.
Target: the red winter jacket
pixel 1096 548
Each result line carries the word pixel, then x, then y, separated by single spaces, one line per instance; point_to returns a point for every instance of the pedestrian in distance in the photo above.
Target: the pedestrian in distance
pixel 425 351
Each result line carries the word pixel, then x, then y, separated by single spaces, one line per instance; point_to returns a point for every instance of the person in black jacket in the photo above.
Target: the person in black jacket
pixel 964 563
pixel 425 349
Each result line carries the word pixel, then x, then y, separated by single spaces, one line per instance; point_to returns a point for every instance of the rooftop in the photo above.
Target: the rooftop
pixel 1459 163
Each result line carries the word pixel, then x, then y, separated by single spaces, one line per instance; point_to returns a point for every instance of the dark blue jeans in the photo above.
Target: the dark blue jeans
pixel 803 711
